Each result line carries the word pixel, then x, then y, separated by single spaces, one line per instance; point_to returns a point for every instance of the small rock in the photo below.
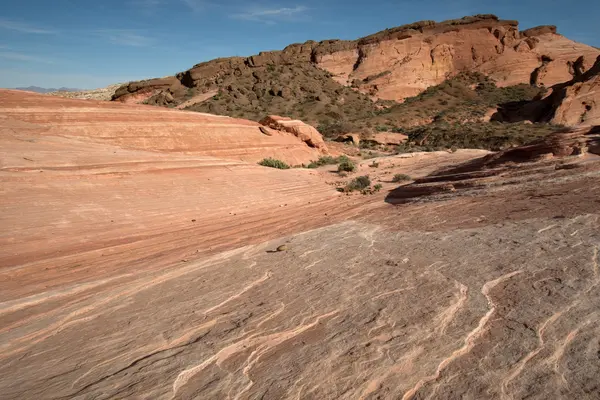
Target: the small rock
pixel 283 247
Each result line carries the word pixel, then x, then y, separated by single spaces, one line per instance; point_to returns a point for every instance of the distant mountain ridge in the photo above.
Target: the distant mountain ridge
pixel 38 89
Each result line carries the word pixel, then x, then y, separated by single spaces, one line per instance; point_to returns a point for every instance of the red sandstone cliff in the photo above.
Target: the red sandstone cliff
pixel 399 62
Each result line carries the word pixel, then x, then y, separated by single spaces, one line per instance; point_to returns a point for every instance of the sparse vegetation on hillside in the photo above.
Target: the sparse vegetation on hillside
pixel 477 135
pixel 464 98
pixel 300 91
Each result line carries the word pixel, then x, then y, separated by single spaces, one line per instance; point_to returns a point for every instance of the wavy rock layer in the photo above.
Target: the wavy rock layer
pixel 148 128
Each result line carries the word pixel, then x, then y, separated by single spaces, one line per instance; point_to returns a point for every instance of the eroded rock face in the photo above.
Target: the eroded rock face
pixel 404 61
pixel 578 101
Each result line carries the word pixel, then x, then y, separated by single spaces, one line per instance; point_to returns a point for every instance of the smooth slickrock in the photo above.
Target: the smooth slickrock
pixel 130 273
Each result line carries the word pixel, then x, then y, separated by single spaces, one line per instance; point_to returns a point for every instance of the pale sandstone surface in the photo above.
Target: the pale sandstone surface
pixel 127 273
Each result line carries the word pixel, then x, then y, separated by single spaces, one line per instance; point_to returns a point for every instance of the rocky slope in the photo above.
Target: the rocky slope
pixel 148 128
pixel 392 64
pixel 130 270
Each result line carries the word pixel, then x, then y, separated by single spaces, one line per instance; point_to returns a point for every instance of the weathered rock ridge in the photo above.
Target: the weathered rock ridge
pixel 396 63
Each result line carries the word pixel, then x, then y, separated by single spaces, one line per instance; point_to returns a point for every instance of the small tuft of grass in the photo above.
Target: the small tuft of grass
pixel 401 178
pixel 273 163
pixel 377 187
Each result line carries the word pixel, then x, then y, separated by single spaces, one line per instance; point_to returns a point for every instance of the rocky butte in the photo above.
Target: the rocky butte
pixel 145 253
pixel 396 63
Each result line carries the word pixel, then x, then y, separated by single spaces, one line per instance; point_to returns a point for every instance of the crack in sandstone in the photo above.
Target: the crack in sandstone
pixel 448 315
pixel 471 338
pixel 595 263
pixel 263 343
pixel 239 294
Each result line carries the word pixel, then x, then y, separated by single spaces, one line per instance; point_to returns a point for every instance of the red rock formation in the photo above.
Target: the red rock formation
pixel 403 61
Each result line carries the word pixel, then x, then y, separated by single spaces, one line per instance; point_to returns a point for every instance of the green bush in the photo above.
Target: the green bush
pixel 401 178
pixel 346 166
pixel 273 163
pixel 328 160
pixel 377 187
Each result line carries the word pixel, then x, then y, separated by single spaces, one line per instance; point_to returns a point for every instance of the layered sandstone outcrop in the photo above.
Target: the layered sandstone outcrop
pixel 151 129
pixel 399 62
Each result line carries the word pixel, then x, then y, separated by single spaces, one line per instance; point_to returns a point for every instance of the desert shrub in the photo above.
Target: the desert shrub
pixel 401 178
pixel 273 163
pixel 374 164
pixel 359 183
pixel 328 160
pixel 377 187
pixel 346 166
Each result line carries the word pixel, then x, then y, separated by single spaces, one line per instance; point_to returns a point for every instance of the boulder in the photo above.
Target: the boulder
pixel 353 138
pixel 304 132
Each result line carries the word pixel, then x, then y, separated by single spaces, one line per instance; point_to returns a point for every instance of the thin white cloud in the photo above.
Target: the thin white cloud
pixel 14 56
pixel 195 5
pixel 271 15
pixel 125 37
pixel 17 26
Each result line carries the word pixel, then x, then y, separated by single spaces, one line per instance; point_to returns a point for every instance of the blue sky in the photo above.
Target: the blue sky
pixel 88 44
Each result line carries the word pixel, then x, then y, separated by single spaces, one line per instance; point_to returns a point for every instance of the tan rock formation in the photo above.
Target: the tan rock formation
pixel 148 128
